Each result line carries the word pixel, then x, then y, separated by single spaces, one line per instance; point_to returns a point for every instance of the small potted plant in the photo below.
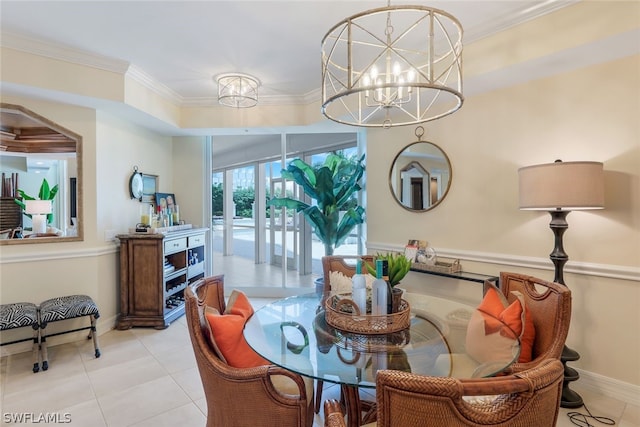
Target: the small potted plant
pixel 398 267
pixel 45 193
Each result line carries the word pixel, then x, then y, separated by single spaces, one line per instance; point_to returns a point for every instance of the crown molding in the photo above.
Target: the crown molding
pixel 62 53
pixel 513 19
pixel 82 57
pixel 210 101
pixel 139 75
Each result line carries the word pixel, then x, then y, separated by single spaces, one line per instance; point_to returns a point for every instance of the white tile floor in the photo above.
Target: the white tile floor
pixel 244 272
pixel 147 377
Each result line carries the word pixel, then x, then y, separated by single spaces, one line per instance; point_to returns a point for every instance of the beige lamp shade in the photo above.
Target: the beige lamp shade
pixel 562 185
pixel 37 207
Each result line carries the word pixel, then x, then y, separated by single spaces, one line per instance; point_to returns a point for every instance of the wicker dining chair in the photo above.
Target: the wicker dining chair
pixel 549 304
pixel 528 398
pixel 338 264
pixel 247 397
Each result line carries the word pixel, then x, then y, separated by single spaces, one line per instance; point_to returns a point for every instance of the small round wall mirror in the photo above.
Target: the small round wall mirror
pixel 420 175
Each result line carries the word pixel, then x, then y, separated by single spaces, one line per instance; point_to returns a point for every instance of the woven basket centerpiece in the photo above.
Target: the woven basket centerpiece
pixel 342 313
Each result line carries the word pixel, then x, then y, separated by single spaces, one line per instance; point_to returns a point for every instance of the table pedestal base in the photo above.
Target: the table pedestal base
pixel 354 407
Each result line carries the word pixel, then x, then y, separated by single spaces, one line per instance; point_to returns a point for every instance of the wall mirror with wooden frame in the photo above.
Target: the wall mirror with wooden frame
pixel 420 175
pixel 32 149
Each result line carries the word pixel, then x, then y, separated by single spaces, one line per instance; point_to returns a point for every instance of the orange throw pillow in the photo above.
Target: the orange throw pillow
pixel 227 328
pixel 515 315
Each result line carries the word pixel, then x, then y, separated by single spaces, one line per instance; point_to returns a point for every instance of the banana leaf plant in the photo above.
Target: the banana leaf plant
pixel 45 193
pixel 333 187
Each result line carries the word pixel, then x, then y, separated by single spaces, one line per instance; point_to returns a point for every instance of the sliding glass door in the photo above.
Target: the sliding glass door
pixel 253 242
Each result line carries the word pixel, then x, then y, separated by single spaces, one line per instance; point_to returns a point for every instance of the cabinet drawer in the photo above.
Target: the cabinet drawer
pixel 175 245
pixel 196 240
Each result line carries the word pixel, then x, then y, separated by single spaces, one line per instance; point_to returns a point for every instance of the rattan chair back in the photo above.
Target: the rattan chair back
pixel 528 398
pixel 338 263
pixel 239 397
pixel 549 304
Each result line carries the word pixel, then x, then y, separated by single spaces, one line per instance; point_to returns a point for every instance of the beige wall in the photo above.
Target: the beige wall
pixel 571 117
pixel 190 179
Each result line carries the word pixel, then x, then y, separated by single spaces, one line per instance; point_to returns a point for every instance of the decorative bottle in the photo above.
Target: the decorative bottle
pixel 385 277
pixel 379 291
pixel 359 285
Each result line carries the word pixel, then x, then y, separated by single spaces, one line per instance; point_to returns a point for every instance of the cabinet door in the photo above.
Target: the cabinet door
pixel 145 278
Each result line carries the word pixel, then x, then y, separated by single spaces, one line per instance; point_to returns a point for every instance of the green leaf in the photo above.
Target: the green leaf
pixel 44 190
pixel 287 202
pixel 25 196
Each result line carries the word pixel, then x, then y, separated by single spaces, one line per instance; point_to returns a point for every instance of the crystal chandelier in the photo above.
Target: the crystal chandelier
pixel 392 66
pixel 237 90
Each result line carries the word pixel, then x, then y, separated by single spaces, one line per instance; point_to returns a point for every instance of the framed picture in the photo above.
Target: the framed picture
pixel 149 185
pixel 166 201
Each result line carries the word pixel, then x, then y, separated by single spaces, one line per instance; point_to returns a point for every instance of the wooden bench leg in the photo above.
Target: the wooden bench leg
pixel 36 348
pixel 93 334
pixel 43 349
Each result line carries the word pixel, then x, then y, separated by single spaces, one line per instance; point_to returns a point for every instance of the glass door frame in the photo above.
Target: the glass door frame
pixel 261 220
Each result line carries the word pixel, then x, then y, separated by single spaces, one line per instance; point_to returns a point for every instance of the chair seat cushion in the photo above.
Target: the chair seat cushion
pixel 17 315
pixel 226 332
pixel 286 385
pixel 67 307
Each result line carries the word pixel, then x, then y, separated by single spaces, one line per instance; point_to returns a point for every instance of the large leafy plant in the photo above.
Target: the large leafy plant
pixel 45 193
pixel 333 187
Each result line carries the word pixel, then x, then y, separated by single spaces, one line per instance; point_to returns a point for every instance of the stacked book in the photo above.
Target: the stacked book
pixel 168 267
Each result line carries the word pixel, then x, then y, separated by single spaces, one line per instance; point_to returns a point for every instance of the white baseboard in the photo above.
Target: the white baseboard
pixel 620 390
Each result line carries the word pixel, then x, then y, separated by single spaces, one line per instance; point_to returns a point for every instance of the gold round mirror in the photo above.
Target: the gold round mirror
pixel 420 175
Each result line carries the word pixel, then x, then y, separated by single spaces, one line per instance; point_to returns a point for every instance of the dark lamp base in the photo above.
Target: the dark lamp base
pixel 570 399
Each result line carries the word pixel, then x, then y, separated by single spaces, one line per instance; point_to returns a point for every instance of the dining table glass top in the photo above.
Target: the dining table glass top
pixel 445 338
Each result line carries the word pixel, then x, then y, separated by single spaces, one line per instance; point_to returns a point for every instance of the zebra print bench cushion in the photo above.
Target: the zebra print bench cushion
pixel 17 315
pixel 68 307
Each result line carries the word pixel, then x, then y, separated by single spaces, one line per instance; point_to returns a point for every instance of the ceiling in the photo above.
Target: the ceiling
pixel 180 45
pixel 176 47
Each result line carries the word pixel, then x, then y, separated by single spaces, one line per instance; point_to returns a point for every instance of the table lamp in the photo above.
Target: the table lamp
pixel 560 188
pixel 38 209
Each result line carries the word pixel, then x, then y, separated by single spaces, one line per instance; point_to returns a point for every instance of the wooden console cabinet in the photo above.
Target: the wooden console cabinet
pixel 155 269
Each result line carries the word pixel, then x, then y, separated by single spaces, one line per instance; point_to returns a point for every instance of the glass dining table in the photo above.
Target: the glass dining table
pixel 445 337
